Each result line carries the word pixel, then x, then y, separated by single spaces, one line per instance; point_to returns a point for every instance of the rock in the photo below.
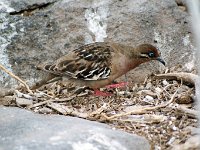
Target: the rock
pixel 7 100
pixel 22 129
pixel 184 99
pixel 149 98
pixel 35 31
pixel 23 101
pixel 165 82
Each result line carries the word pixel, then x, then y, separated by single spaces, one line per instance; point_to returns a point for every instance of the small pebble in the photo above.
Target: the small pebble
pixel 173 118
pixel 164 131
pixel 184 99
pixel 174 128
pixel 165 82
pixel 23 101
pixel 149 98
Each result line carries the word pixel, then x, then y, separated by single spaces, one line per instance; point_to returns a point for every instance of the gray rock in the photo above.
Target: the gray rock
pixel 36 31
pixel 24 130
pixel 23 101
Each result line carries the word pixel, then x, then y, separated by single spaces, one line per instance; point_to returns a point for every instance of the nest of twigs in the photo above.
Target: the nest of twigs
pixel 161 109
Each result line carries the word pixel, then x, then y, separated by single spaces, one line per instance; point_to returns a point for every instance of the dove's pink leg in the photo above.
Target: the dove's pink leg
pixel 118 85
pixel 100 93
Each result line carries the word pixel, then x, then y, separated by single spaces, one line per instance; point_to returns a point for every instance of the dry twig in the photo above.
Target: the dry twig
pixel 185 77
pixel 52 100
pixel 16 77
pixel 99 110
pixel 183 110
pixel 65 110
pixel 147 118
pixel 143 110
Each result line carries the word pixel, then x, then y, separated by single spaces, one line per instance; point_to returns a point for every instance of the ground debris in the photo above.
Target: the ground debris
pixel 160 109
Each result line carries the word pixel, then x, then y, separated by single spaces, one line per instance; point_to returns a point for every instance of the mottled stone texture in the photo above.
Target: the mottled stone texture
pixel 24 130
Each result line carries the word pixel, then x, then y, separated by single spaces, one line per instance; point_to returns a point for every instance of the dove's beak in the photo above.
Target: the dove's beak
pixel 161 60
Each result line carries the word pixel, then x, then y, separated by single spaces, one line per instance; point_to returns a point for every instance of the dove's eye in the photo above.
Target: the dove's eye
pixel 151 54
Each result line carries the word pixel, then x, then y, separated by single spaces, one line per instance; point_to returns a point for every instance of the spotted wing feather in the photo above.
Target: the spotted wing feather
pixel 89 62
